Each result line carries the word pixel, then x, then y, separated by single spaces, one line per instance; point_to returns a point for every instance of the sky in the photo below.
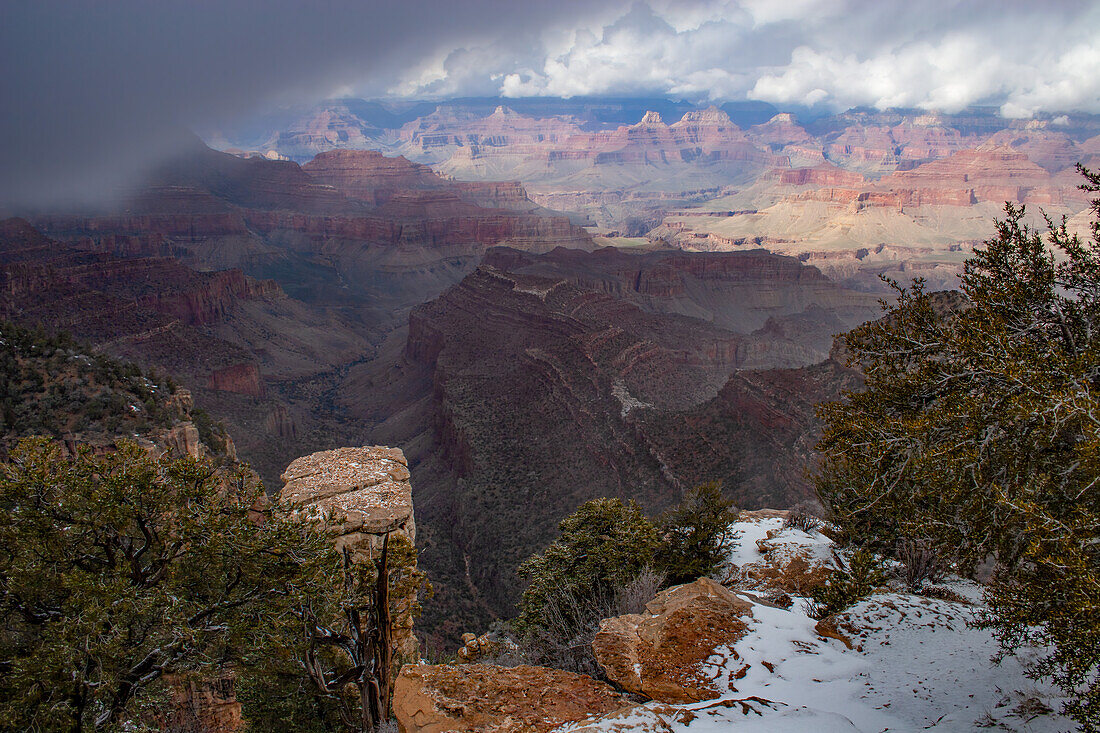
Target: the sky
pixel 93 90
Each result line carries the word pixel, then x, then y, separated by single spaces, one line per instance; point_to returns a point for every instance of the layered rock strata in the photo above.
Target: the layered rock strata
pixel 542 381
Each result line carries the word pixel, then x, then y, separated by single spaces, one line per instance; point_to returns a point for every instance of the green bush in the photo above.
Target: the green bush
pixel 849 585
pixel 695 535
pixel 610 559
pixel 604 544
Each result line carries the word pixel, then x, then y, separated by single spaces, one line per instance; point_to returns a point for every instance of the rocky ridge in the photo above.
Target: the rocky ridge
pixel 757 661
pixel 61 389
pixel 861 194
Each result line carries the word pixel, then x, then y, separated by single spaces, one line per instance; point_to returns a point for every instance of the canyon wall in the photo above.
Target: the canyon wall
pixel 544 380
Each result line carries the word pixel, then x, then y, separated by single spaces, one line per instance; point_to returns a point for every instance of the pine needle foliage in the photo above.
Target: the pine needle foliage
pixel 696 534
pixel 979 432
pixel 606 543
pixel 323 657
pixel 118 569
pixel 860 577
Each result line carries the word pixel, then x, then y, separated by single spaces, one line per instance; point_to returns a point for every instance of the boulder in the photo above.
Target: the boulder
pixel 485 698
pixel 366 490
pixel 660 653
pixel 477 648
pixel 183 440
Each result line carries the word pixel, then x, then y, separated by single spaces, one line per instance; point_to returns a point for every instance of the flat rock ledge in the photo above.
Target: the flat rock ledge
pixel 485 698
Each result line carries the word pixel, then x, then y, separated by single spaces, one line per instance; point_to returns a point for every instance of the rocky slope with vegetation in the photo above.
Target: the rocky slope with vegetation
pixel 752 653
pixel 54 386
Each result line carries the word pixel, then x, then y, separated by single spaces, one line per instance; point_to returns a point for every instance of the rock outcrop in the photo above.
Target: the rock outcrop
pixel 332 125
pixel 366 495
pixel 369 176
pixel 476 698
pixel 447 128
pixel 240 378
pixel 479 648
pixel 659 653
pixel 183 440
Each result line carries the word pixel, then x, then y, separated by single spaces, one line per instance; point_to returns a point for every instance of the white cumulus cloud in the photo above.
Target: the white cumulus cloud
pixel 939 54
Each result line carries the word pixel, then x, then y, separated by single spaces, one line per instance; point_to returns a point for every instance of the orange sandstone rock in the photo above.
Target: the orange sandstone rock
pixel 365 493
pixel 489 699
pixel 659 653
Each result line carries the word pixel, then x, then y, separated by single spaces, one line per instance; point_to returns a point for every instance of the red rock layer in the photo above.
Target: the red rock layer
pixel 367 175
pixel 822 175
pixel 963 179
pixel 239 378
pixel 241 211
pixel 159 283
pixel 708 135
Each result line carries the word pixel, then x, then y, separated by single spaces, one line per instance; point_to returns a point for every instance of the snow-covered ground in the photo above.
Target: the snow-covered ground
pixel 914 665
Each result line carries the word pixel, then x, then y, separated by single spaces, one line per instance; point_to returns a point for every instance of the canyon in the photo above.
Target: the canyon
pixel 538 307
pixel 860 194
pixel 543 380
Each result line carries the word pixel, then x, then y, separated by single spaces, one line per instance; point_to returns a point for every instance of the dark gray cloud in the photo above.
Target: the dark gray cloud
pixel 94 90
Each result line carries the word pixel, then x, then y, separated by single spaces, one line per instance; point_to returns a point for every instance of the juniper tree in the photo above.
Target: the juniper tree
pixel 325 661
pixel 116 570
pixel 979 433
pixel 696 535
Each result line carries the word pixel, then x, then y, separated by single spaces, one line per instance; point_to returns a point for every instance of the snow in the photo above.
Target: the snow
pixel 626 400
pixel 745 537
pixel 916 665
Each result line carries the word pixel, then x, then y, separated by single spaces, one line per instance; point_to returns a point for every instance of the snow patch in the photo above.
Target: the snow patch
pixel 627 400
pixel 916 664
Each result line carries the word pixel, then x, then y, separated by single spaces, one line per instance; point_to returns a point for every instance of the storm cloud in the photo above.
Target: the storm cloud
pixel 94 91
